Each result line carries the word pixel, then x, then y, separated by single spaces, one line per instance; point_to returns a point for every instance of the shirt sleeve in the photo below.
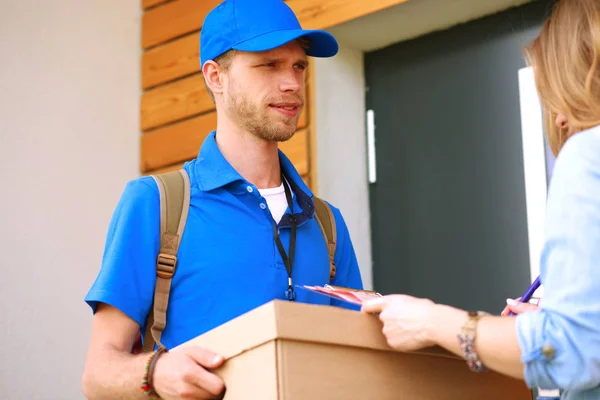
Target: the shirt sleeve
pixel 347 270
pixel 560 344
pixel 127 275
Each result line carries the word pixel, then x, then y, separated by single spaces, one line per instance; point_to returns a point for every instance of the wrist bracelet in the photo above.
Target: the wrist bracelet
pixel 466 338
pixel 146 385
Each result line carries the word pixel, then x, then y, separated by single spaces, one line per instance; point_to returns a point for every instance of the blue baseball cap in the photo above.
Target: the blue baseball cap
pixel 257 25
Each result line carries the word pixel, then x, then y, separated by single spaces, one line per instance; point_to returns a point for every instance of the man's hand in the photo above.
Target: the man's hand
pixel 406 320
pixel 184 374
pixel 112 372
pixel 517 308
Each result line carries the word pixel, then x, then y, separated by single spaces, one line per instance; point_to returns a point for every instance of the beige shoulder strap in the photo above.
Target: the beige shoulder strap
pixel 326 221
pixel 174 189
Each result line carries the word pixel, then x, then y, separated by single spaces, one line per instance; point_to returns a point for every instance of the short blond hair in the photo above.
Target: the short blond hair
pixel 566 62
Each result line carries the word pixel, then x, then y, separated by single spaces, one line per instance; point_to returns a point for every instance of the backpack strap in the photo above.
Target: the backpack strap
pixel 174 189
pixel 326 221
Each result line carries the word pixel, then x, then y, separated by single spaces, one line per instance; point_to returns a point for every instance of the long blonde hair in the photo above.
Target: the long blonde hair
pixel 566 61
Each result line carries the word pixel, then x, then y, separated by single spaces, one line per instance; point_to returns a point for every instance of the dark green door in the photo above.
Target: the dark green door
pixel 448 204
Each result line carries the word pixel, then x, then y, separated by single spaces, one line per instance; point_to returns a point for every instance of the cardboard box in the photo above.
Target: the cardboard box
pixel 285 350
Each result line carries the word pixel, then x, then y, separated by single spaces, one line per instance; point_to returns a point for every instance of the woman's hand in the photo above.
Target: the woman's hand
pixel 407 320
pixel 517 308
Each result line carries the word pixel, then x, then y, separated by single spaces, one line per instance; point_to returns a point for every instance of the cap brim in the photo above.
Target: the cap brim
pixel 323 44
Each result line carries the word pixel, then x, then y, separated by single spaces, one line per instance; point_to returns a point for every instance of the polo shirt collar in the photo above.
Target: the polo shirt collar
pixel 212 168
pixel 214 171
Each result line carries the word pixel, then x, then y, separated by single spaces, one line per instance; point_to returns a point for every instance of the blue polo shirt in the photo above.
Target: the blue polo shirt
pixel 228 261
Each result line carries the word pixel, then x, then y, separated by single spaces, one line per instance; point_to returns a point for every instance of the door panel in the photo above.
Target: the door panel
pixel 448 207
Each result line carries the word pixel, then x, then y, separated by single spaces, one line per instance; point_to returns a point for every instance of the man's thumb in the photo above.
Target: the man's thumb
pixel 205 357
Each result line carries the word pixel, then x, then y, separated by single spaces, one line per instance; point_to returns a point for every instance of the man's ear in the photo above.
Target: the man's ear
pixel 213 75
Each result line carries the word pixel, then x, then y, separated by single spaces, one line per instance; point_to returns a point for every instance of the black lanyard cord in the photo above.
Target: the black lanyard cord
pixel 288 261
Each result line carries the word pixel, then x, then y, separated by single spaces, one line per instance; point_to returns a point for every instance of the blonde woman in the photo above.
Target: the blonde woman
pixel 558 344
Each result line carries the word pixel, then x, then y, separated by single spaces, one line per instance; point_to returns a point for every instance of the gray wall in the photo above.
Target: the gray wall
pixel 341 151
pixel 69 139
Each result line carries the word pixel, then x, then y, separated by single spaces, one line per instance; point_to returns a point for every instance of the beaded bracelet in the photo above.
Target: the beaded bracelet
pixel 466 338
pixel 146 385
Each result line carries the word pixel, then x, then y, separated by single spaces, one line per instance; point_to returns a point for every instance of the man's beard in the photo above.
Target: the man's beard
pixel 254 117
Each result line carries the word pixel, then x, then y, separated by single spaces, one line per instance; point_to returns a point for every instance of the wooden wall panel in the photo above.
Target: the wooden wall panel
pixel 174 19
pixel 180 57
pixel 322 14
pixel 175 143
pixel 296 149
pixel 151 3
pixel 184 16
pixel 170 61
pixel 170 168
pixel 181 141
pixel 311 180
pixel 172 146
pixel 165 63
pixel 175 101
pixel 181 99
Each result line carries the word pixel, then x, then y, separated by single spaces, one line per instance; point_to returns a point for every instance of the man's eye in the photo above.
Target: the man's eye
pixel 300 67
pixel 271 64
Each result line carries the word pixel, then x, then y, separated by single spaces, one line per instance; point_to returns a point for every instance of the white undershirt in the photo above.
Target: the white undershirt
pixel 276 201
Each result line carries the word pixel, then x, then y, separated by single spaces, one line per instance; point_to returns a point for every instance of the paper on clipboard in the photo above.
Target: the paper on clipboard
pixel 349 295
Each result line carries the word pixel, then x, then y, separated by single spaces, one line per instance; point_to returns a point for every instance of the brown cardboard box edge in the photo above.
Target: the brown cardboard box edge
pixel 287 351
pixel 301 322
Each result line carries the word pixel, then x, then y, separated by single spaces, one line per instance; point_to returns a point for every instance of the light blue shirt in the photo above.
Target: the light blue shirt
pixel 228 262
pixel 569 315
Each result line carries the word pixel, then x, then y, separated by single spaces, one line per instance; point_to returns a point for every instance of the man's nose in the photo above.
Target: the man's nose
pixel 291 82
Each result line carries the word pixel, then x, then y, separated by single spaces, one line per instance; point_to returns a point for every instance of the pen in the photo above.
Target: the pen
pixel 529 292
